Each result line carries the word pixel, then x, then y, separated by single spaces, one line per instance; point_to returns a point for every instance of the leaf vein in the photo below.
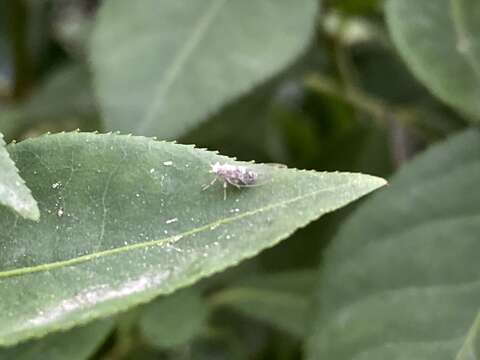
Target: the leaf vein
pixel 159 242
pixel 179 61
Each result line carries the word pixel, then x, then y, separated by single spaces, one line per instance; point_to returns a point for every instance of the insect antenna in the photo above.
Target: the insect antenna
pixel 205 187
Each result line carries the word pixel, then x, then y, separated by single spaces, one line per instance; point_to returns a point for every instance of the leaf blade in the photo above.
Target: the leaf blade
pixel 401 286
pixel 13 191
pixel 76 344
pixel 439 41
pixel 280 299
pixel 174 320
pixel 181 62
pixel 122 237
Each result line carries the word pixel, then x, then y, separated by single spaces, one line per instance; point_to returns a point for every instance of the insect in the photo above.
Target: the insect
pixel 236 175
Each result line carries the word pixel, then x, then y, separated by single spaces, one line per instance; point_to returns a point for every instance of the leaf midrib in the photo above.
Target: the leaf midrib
pixel 179 61
pixel 469 339
pixel 170 239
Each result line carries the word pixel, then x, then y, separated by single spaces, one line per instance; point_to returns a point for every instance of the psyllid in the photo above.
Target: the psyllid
pixel 236 175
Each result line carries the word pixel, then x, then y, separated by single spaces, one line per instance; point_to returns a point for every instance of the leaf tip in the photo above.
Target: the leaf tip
pixel 33 214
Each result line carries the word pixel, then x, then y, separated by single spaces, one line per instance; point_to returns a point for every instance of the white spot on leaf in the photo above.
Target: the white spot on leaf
pixel 56 185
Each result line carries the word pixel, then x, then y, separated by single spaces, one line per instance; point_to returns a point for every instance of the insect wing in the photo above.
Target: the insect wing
pixel 263 175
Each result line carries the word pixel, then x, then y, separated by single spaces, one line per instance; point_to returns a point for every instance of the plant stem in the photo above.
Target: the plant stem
pixel 326 86
pixel 17 27
pixel 382 112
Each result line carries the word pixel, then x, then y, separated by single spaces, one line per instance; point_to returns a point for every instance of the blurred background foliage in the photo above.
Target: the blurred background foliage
pixel 348 103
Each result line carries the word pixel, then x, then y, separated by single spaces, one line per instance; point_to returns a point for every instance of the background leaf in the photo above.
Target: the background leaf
pixel 76 344
pixel 107 259
pixel 169 64
pixel 440 41
pixel 13 191
pixel 281 299
pixel 174 320
pixel 401 278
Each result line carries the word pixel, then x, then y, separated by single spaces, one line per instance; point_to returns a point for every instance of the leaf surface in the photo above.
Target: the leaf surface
pixel 169 64
pixel 13 191
pixel 401 280
pixel 124 220
pixel 174 320
pixel 76 344
pixel 280 299
pixel 440 41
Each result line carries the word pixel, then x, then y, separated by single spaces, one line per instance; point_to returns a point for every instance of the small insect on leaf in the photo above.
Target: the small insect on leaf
pixel 236 175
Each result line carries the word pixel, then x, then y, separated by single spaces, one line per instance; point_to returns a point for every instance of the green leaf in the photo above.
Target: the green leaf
pixel 401 280
pixel 440 41
pixel 174 320
pixel 169 64
pixel 76 344
pixel 281 299
pixel 13 191
pixel 124 220
pixel 471 347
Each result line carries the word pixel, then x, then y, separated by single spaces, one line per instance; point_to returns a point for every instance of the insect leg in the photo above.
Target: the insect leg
pixel 232 183
pixel 225 184
pixel 205 187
